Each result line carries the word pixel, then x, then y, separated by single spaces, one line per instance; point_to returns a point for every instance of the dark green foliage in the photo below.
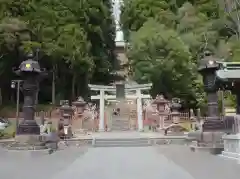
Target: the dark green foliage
pixel 75 38
pixel 167 37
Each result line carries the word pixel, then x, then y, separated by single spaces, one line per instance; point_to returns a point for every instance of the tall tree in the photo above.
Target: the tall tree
pixel 158 55
pixel 75 38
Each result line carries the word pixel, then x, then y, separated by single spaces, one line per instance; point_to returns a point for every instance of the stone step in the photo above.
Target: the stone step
pixel 134 142
pixel 120 122
pixel 119 127
pixel 123 127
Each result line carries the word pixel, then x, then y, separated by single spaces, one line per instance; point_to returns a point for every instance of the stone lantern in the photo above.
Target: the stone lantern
pixel 161 102
pixel 80 105
pixel 66 112
pixel 28 131
pixel 175 106
pixel 207 68
pixel 31 72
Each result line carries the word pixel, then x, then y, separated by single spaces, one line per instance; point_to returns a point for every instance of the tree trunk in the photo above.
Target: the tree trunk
pixel 54 86
pixel 73 86
pixel 37 94
pixel 0 96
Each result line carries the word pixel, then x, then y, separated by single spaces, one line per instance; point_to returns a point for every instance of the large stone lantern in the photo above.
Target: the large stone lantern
pixel 207 68
pixel 31 73
pixel 80 105
pixel 175 106
pixel 28 131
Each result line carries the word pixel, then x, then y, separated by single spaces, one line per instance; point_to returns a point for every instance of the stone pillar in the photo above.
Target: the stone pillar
pixel 139 110
pixel 101 127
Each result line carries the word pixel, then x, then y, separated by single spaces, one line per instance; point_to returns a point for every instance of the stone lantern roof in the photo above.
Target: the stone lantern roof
pixel 66 107
pixel 80 102
pixel 160 100
pixel 208 62
pixel 175 105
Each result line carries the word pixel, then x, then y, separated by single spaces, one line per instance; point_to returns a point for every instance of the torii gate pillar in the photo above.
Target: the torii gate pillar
pixel 101 111
pixel 139 110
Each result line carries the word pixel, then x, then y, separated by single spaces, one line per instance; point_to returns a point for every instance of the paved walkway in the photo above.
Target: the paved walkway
pixel 119 163
pixel 167 162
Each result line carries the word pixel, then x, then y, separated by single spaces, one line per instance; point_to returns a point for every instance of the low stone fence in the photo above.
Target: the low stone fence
pixel 185 119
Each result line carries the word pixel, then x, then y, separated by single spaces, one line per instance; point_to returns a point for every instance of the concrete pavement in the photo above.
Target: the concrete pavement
pixel 164 162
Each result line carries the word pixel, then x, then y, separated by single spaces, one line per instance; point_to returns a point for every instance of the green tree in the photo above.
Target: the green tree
pixel 75 38
pixel 136 12
pixel 158 55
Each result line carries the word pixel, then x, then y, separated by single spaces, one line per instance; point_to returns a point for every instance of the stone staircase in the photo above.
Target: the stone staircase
pixel 120 123
pixel 122 142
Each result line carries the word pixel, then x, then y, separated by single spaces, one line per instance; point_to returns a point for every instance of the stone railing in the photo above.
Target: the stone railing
pixel 232 146
pixel 232 142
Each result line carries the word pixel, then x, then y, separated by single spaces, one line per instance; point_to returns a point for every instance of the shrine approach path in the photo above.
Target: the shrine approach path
pixel 162 162
pixel 123 163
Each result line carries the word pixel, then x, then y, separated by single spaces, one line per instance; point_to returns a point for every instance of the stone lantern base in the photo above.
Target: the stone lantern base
pixel 26 142
pixel 27 137
pixel 28 127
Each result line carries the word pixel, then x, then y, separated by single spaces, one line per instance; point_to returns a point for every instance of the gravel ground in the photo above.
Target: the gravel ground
pixel 201 164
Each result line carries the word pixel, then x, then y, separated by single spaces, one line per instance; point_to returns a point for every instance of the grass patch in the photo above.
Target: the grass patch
pixel 186 125
pixel 8 132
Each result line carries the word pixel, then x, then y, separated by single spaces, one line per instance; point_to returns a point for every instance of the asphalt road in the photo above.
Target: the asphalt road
pixel 112 163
